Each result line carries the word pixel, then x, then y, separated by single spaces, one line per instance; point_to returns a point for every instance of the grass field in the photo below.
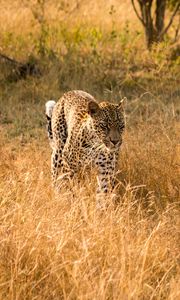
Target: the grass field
pixel 62 247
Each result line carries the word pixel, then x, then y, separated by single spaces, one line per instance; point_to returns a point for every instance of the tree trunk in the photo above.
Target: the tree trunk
pixel 154 30
pixel 160 16
pixel 145 6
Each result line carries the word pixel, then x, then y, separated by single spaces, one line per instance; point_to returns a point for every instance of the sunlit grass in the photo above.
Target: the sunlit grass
pixel 63 247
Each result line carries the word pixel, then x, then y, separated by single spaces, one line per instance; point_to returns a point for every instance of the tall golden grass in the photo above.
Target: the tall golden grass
pixel 61 246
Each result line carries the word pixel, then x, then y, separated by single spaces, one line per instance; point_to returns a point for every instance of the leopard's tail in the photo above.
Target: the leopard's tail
pixel 49 110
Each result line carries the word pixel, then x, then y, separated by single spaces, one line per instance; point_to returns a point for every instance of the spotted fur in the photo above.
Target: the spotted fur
pixel 81 131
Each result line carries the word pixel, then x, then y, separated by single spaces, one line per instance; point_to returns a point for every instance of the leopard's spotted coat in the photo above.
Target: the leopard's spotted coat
pixel 81 131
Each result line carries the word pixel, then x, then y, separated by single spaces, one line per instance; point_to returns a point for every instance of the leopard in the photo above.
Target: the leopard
pixel 83 131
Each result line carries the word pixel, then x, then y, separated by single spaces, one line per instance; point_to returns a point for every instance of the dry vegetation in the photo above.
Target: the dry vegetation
pixel 61 247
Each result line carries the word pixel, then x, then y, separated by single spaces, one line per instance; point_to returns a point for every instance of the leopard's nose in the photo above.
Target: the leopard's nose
pixel 114 141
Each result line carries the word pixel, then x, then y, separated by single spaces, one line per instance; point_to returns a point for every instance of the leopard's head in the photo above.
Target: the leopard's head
pixel 108 122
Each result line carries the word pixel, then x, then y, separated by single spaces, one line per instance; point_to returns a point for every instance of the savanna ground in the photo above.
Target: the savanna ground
pixel 62 247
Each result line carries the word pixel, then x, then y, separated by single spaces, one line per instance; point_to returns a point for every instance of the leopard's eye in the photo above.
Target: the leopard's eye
pixel 104 127
pixel 121 127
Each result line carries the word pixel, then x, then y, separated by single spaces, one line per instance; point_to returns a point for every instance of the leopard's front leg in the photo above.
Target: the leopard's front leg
pixel 107 166
pixel 71 160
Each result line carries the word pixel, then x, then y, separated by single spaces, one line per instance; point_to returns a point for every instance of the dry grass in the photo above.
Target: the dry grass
pixel 12 16
pixel 62 247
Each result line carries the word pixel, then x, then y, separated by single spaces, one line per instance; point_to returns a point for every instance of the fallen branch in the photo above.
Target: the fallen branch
pixel 22 70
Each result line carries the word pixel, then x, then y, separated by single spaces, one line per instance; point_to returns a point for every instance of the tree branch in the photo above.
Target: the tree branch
pixel 171 20
pixel 137 14
pixel 177 30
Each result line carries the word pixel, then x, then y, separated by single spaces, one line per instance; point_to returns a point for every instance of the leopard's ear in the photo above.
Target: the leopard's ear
pixel 93 108
pixel 122 103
